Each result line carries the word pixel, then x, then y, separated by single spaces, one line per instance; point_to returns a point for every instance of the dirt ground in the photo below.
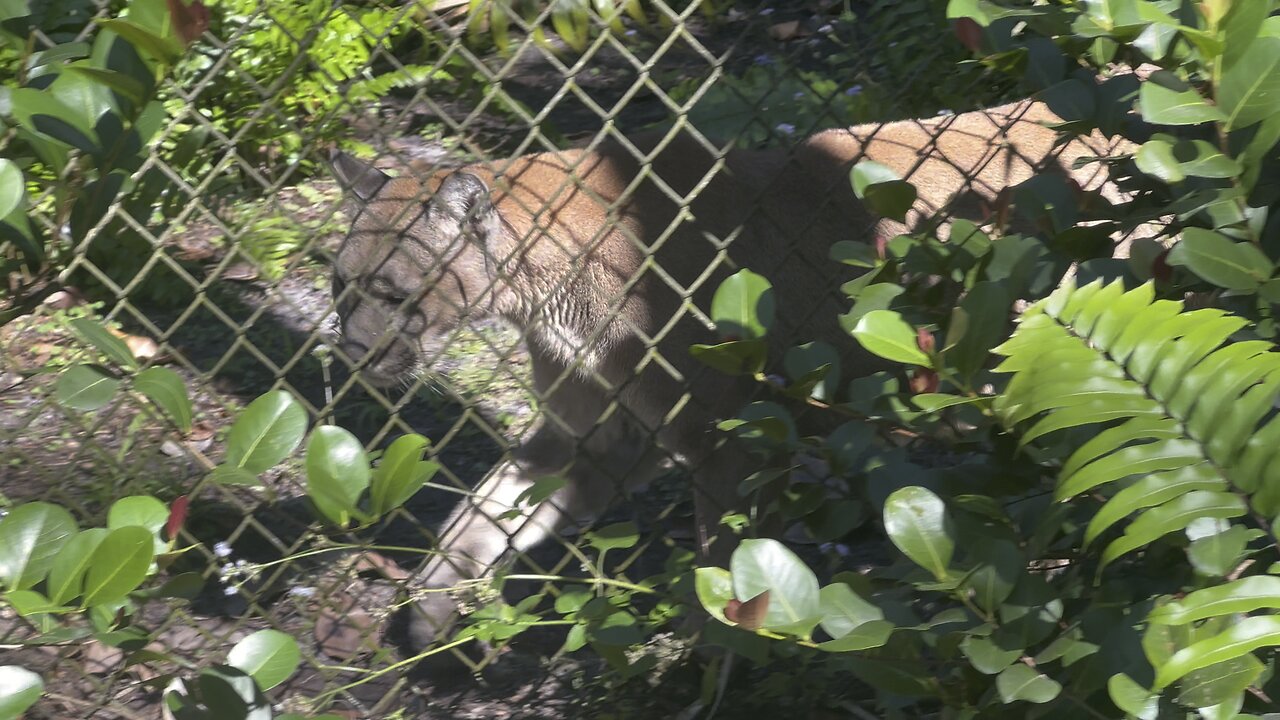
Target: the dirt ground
pixel 242 338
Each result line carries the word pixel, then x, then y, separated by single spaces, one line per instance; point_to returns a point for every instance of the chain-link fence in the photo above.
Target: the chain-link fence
pixel 205 236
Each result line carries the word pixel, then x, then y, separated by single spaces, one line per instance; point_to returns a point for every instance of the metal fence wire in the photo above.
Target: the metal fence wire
pixel 227 279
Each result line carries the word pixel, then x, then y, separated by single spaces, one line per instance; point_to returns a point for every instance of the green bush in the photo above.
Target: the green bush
pixel 1103 542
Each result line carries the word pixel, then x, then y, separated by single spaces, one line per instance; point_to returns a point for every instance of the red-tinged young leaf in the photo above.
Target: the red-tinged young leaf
pixel 750 614
pixel 924 381
pixel 190 20
pixel 177 516
pixel 925 340
pixel 969 33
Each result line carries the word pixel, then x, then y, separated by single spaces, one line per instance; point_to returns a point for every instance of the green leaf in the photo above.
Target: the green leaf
pixel 13 189
pixel 986 656
pixel 1165 100
pixel 144 40
pixel 401 473
pixel 269 656
pixel 1239 596
pixel 843 611
pixel 885 193
pixel 852 252
pixel 819 359
pixel 40 112
pixel 66 574
pixel 986 306
pixel 1019 682
pixel 166 389
pixel 1132 698
pixel 1217 555
pixel 31 535
pixel 118 565
pixel 266 432
pixel 1240 638
pixel 917 523
pixel 1172 517
pixel 85 387
pixel 737 357
pixel 1228 264
pixel 760 565
pixel 139 510
pixel 877 296
pixel 337 473
pixel 19 689
pixel 1156 159
pixel 886 334
pixel 743 306
pixel 1250 89
pixel 617 536
pixel 1219 683
pixel 872 634
pixel 714 587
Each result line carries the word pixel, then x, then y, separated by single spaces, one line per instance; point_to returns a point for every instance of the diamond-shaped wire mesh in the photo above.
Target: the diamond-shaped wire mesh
pixel 226 273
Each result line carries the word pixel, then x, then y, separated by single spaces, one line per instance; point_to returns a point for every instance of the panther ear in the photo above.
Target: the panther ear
pixel 357 176
pixel 465 198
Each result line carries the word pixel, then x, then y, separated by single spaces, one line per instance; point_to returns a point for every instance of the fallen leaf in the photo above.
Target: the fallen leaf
pixel 788 30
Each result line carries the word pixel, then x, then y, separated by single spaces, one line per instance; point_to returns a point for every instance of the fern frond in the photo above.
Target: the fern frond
pixel 1188 416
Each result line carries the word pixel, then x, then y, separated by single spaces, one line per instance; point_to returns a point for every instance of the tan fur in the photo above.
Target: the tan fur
pixel 607 258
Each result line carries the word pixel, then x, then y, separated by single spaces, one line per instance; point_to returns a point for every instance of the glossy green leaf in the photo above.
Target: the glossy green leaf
pixel 1249 91
pixel 141 510
pixel 736 357
pixel 1132 698
pixel 269 656
pixel 817 358
pixel 986 656
pixel 1238 596
pixel 843 610
pixel 337 473
pixel 714 587
pixel 886 334
pixel 118 565
pixel 1219 554
pixel 743 306
pixel 31 536
pixel 12 187
pixel 1020 682
pixel 872 634
pixel 1172 517
pixel 884 192
pixel 401 474
pixel 1152 490
pixel 19 689
pixel 760 565
pixel 166 389
pixel 917 523
pixel 1219 683
pixel 85 387
pixel 1223 262
pixel 1239 638
pixel 66 573
pixel 617 536
pixel 266 432
pixel 1175 103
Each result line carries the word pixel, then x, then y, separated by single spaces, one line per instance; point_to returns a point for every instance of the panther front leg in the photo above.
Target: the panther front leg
pixel 482 532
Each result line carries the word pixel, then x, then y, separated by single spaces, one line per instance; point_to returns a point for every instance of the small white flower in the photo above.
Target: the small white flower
pixel 945 111
pixel 221 549
pixel 827 28
pixel 630 32
pixel 855 90
pixel 785 128
pixel 229 590
pixel 302 591
pixel 766 11
pixel 799 95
